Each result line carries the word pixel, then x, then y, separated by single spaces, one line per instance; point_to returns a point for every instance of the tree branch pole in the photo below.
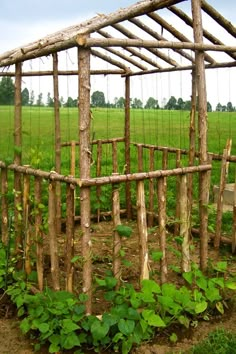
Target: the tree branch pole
pixel 85 161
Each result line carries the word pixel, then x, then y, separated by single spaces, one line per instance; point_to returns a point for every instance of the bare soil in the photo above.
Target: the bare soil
pixel 12 340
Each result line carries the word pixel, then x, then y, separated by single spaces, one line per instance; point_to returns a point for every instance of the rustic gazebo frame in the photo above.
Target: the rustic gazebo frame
pixel 93 37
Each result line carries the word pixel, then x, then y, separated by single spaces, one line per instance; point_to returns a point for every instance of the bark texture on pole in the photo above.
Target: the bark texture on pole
pixel 202 132
pixel 116 236
pixel 127 146
pixel 142 230
pixel 161 193
pixel 4 206
pixel 57 139
pixel 70 230
pixel 85 160
pixel 38 231
pixel 17 161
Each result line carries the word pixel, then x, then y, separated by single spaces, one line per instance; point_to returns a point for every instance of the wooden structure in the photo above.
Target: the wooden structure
pixel 113 38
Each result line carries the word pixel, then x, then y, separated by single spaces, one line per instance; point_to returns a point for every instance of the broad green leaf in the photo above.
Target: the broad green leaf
pixel 173 338
pixel 110 282
pixel 188 276
pixel 126 326
pixel 68 326
pixel 71 341
pixel 54 348
pixel 156 256
pixel 221 266
pixel 25 325
pixel 201 283
pixel 231 285
pixel 150 286
pixel 43 327
pixel 201 307
pixel 99 329
pixel 153 319
pixel 184 321
pixel 213 294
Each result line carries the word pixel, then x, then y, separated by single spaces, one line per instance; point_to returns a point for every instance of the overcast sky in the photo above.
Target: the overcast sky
pixel 23 21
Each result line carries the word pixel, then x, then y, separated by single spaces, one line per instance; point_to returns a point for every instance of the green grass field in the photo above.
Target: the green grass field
pixel 159 127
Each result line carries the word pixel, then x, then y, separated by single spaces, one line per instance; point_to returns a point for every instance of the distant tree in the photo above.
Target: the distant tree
pixel 71 102
pixel 152 103
pixel 187 105
pixel 7 91
pixel 50 101
pixel 25 97
pixel 31 98
pixel 180 104
pixel 120 103
pixel 224 108
pixel 218 107
pixel 136 103
pixel 39 101
pixel 62 102
pixel 230 107
pixel 171 104
pixel 98 99
pixel 209 107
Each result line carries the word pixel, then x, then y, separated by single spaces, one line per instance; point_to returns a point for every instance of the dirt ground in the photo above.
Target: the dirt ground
pixel 12 340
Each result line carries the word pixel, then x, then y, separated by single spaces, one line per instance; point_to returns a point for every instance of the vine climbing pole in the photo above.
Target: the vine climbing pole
pixel 85 160
pixel 202 132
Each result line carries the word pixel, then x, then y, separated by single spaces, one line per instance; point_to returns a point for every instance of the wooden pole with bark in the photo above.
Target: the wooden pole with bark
pixel 184 231
pixel 151 189
pixel 127 146
pixel 4 206
pixel 85 161
pixel 177 210
pixel 52 234
pixel 98 174
pixel 70 230
pixel 202 132
pixel 57 140
pixel 116 236
pixel 161 195
pixel 17 161
pixel 39 237
pixel 142 231
pixel 220 202
pixel 27 238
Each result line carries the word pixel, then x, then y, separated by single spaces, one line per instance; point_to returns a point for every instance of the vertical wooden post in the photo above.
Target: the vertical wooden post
pixel 4 206
pixel 98 174
pixel 161 192
pixel 57 140
pixel 192 137
pixel 151 188
pixel 177 210
pixel 27 241
pixel 70 230
pixel 53 235
pixel 234 219
pixel 220 202
pixel 17 160
pixel 142 231
pixel 127 146
pixel 85 160
pixel 38 230
pixel 202 132
pixel 116 236
pixel 184 223
pixel 72 167
pixel 140 158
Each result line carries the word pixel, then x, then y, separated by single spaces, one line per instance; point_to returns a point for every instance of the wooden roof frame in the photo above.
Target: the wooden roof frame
pixel 123 51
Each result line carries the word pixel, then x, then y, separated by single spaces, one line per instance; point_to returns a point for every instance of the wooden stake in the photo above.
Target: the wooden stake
pixel 127 147
pixel 202 132
pixel 38 231
pixel 85 160
pixel 4 206
pixel 151 189
pixel 234 219
pixel 57 140
pixel 184 223
pixel 161 191
pixel 27 243
pixel 53 235
pixel 142 230
pixel 116 236
pixel 220 202
pixel 98 174
pixel 70 229
pixel 178 192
